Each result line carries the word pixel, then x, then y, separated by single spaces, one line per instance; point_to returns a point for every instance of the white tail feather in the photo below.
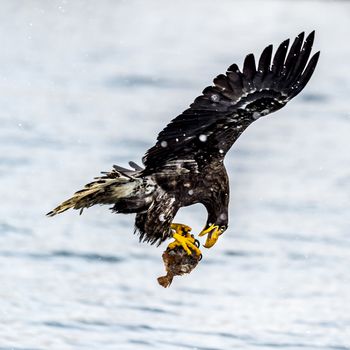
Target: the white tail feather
pixel 105 190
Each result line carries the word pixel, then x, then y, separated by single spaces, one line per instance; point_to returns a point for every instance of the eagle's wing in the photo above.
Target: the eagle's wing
pixel 217 118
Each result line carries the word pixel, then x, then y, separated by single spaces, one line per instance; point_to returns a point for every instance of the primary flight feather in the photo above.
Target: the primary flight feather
pixel 185 166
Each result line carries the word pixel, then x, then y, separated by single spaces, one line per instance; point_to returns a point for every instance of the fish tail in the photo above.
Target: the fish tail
pixel 165 281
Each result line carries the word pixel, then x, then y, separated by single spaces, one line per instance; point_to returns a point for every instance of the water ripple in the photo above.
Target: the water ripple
pixel 8 228
pixel 18 348
pixel 94 257
pixel 91 257
pixel 139 81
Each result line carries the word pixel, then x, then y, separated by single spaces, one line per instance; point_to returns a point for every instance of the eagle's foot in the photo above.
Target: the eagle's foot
pixel 213 232
pixel 181 229
pixel 184 239
pixel 187 242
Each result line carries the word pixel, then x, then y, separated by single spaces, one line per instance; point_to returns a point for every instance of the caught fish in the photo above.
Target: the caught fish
pixel 177 262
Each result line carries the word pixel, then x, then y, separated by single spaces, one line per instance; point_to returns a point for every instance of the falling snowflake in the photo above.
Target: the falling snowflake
pixel 203 138
pixel 256 115
pixel 223 216
pixel 215 97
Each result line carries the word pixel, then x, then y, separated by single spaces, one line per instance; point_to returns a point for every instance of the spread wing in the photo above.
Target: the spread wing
pixel 217 118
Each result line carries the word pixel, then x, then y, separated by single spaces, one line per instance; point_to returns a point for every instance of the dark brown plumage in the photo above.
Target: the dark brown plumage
pixel 185 166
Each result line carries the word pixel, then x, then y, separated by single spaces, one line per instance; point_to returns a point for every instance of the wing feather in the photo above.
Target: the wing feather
pixel 215 119
pixel 249 69
pixel 279 58
pixel 293 55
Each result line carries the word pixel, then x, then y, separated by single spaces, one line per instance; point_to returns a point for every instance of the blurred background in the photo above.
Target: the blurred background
pixel 85 85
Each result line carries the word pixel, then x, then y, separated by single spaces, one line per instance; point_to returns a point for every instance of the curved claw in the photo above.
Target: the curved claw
pixel 213 232
pixel 196 242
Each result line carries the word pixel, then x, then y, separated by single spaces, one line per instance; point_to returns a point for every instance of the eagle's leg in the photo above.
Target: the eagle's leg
pixel 180 228
pixel 184 239
pixel 213 232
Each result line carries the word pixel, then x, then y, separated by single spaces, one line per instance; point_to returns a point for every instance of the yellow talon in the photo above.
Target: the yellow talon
pixel 213 232
pixel 180 228
pixel 184 239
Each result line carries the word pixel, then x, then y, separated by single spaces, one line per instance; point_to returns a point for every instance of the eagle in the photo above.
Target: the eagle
pixel 186 165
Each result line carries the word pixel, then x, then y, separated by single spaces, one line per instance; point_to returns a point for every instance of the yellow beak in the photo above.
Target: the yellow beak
pixel 213 232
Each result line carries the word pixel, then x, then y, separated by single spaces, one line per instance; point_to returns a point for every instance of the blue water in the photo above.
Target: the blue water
pixel 84 85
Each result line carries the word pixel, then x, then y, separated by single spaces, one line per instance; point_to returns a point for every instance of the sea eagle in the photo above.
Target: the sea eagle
pixel 185 166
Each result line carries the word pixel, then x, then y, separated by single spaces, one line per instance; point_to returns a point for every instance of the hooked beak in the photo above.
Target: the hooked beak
pixel 213 232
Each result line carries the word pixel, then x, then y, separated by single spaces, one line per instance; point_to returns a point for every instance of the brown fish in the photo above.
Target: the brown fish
pixel 177 262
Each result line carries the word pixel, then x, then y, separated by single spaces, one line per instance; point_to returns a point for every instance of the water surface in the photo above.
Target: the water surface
pixel 86 85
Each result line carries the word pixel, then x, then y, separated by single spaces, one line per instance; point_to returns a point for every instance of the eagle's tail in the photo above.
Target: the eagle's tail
pixel 117 185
